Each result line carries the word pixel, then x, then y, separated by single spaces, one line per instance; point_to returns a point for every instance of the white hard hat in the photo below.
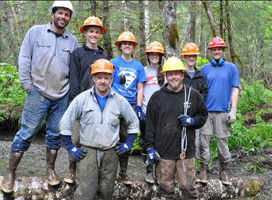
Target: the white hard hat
pixel 64 4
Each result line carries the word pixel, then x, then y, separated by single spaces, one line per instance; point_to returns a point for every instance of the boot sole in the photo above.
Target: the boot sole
pixel 6 190
pixel 201 181
pixel 54 183
pixel 68 180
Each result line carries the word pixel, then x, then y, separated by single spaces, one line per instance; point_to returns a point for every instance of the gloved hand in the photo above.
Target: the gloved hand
pixel 140 114
pixel 124 147
pixel 232 116
pixel 78 153
pixel 185 120
pixel 151 155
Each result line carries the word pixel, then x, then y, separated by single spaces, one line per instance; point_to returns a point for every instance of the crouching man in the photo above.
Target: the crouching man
pixel 99 111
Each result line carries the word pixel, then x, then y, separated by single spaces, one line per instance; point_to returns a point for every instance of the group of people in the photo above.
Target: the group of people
pixel 111 101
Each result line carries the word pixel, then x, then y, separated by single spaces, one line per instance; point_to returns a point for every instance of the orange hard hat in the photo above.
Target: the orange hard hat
pixel 126 36
pixel 154 47
pixel 190 49
pixel 217 42
pixel 102 65
pixel 92 21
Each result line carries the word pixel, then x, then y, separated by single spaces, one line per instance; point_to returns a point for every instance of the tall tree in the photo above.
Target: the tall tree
pixel 221 18
pixel 146 21
pixel 93 7
pixel 107 35
pixel 192 21
pixel 232 53
pixel 142 32
pixel 124 10
pixel 200 37
pixel 212 21
pixel 170 28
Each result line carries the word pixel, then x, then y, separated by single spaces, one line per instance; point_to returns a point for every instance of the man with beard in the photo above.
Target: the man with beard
pixel 173 112
pixel 43 71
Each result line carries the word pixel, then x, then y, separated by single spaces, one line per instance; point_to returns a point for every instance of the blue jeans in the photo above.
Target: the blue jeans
pixel 36 107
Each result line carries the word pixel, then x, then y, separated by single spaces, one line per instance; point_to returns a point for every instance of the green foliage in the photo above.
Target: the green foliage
pixel 201 61
pixel 11 91
pixel 255 168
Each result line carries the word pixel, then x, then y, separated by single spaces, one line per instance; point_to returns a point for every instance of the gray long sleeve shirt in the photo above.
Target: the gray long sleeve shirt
pixel 99 128
pixel 44 61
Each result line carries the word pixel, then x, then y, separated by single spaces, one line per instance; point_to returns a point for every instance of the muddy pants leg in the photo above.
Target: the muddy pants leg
pixel 187 181
pixel 166 178
pixel 107 175
pixel 88 176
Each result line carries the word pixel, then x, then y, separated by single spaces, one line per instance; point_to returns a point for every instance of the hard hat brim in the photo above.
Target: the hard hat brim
pixel 102 29
pixel 117 43
pixel 164 72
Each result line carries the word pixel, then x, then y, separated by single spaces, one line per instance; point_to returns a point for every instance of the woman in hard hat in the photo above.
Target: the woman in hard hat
pixel 154 81
pixel 132 90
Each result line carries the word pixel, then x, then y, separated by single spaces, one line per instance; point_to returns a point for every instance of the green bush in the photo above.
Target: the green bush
pixel 11 91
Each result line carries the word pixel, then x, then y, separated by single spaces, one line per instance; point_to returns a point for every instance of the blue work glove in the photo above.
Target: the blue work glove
pixel 185 120
pixel 124 147
pixel 78 153
pixel 140 114
pixel 151 155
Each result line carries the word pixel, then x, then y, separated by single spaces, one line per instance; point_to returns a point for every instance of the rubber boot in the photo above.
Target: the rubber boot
pixel 123 170
pixel 9 177
pixel 203 176
pixel 223 174
pixel 52 177
pixel 149 178
pixel 71 174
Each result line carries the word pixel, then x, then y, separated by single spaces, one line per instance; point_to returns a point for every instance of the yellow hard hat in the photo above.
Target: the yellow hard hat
pixel 173 64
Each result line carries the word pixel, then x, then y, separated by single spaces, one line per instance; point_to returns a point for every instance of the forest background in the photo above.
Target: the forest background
pixel 246 27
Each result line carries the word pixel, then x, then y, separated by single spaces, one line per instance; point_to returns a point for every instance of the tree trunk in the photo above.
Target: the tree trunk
pixel 232 53
pixel 146 21
pixel 213 25
pixel 200 38
pixel 170 28
pixel 11 27
pixel 192 23
pixel 221 18
pixel 142 32
pixel 107 36
pixel 93 7
pixel 37 188
pixel 124 10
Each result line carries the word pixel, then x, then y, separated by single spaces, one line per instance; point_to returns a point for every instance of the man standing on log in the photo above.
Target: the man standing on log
pixel 99 111
pixel 80 77
pixel 223 87
pixel 173 112
pixel 43 71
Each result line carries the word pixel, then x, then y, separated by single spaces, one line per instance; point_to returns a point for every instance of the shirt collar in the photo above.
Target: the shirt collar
pixel 49 28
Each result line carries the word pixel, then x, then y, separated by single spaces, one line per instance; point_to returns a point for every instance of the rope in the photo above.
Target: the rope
pixel 183 133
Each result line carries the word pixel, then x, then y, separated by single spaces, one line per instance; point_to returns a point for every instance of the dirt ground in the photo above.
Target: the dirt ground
pixel 33 164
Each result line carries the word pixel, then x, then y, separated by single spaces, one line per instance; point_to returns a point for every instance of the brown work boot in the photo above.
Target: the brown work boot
pixel 9 177
pixel 123 170
pixel 223 174
pixel 203 176
pixel 52 177
pixel 71 175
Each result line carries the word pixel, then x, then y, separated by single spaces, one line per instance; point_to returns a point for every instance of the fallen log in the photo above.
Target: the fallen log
pixel 37 188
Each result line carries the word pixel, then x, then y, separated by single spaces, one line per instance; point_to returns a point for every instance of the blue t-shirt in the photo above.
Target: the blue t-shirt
pixel 101 100
pixel 220 81
pixel 134 72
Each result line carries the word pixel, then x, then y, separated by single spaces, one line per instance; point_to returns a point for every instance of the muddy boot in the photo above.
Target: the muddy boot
pixel 123 170
pixel 149 178
pixel 223 174
pixel 9 177
pixel 203 176
pixel 52 177
pixel 71 175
